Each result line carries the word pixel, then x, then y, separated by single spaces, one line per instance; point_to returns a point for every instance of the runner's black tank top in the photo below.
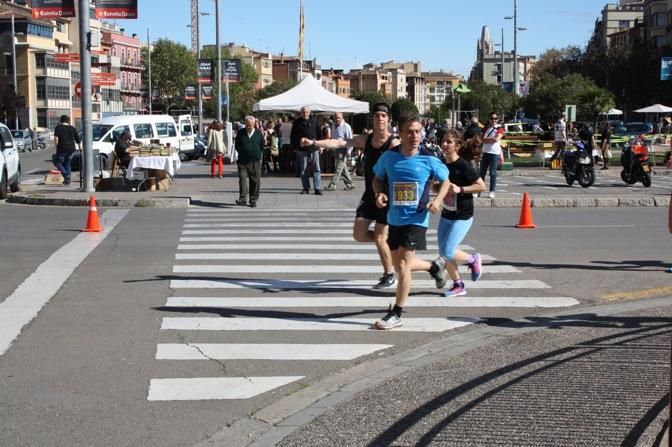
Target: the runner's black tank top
pixel 371 156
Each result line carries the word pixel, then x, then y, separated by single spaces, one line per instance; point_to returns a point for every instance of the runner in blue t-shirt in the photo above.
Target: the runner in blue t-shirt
pixel 408 174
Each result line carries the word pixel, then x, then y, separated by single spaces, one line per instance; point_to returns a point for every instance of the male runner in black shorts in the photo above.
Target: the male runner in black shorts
pixel 367 212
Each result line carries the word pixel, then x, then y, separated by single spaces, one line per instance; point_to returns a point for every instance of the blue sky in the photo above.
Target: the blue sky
pixel 441 34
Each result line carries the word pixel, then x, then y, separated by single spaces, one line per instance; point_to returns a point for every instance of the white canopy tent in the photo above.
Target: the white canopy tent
pixel 310 92
pixel 656 108
pixel 612 112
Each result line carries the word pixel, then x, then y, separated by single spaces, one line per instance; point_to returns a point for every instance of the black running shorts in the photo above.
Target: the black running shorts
pixel 368 210
pixel 412 237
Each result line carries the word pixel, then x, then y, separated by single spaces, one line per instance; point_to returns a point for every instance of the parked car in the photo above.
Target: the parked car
pixel 197 152
pixel 10 165
pixel 22 140
pixel 639 128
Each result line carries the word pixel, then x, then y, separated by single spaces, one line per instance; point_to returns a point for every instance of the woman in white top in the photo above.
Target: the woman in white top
pixel 216 148
pixel 492 151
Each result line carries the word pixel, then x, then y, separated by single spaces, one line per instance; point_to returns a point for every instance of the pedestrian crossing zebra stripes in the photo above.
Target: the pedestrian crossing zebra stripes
pixel 276 274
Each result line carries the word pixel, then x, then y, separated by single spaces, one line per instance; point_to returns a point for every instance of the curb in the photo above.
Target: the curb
pixel 268 426
pixel 481 202
pixel 39 199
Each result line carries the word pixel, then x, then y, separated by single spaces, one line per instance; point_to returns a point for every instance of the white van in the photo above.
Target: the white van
pixel 144 128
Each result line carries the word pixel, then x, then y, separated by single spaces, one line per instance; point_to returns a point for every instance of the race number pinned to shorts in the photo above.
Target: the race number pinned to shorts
pixel 405 194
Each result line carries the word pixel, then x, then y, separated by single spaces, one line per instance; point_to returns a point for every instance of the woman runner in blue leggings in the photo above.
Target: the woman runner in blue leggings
pixel 458 208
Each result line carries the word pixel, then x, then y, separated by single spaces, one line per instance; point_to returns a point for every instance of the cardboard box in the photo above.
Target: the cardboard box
pixel 53 178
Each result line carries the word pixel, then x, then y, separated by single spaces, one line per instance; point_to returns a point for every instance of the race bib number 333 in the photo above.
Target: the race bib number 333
pixel 405 194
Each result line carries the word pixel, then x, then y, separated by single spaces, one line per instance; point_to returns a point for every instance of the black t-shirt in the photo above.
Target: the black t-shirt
pixel 461 173
pixel 67 138
pixel 371 156
pixel 586 134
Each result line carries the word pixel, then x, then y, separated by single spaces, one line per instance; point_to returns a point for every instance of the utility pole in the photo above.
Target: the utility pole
pixel 149 71
pixel 502 71
pixel 85 71
pixel 516 71
pixel 16 86
pixel 219 65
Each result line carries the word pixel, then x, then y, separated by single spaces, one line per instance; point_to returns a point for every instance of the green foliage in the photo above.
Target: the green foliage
pixel 403 105
pixel 549 95
pixel 173 67
pixel 243 94
pixel 487 98
pixel 276 88
pixel 372 98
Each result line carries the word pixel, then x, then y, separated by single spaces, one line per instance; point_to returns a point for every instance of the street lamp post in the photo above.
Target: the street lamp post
pixel 16 87
pixel 501 70
pixel 219 65
pixel 198 57
pixel 516 28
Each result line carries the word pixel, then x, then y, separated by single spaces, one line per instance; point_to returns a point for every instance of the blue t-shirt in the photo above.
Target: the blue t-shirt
pixel 408 178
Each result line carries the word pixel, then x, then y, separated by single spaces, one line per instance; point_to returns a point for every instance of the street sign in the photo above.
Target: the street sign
pixel 223 100
pixel 570 113
pixel 78 89
pixel 104 79
pixel 231 68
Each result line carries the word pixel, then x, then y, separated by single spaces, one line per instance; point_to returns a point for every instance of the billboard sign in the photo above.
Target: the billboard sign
pixel 231 68
pixel 205 67
pixel 190 92
pixel 207 91
pixel 116 9
pixel 53 9
pixel 666 68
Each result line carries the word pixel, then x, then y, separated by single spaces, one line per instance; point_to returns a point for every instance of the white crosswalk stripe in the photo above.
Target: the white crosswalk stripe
pixel 310 269
pixel 225 251
pixel 307 284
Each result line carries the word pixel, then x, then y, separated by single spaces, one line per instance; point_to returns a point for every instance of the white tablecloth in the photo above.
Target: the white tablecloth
pixel 169 164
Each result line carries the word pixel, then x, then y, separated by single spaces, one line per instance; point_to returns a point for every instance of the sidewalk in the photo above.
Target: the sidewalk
pixel 595 376
pixel 193 185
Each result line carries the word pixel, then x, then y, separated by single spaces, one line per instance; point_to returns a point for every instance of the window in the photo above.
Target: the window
pixel 5 135
pixel 624 24
pixel 143 130
pixel 40 60
pixel 41 88
pixel 166 130
pixel 41 118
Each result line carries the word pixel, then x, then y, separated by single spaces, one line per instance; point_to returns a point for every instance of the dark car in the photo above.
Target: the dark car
pixel 639 128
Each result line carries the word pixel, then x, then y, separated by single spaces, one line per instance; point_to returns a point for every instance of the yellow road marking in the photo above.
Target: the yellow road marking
pixel 637 294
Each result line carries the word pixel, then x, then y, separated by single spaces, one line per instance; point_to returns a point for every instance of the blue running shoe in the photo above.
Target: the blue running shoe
pixel 476 267
pixel 455 291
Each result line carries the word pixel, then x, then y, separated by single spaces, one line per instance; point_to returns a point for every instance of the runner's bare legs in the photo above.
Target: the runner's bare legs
pixel 378 236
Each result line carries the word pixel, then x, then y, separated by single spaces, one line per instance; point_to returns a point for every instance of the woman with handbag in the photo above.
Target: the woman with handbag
pixel 216 148
pixel 606 146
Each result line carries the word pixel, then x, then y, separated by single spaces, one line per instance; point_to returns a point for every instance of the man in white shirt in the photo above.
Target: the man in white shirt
pixel 341 130
pixel 560 130
pixel 492 151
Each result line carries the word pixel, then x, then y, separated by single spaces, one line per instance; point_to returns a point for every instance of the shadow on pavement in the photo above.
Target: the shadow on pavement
pixel 645 330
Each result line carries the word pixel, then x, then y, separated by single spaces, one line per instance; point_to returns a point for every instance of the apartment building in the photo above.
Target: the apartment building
pixel 439 86
pixel 262 62
pixel 341 82
pixel 123 56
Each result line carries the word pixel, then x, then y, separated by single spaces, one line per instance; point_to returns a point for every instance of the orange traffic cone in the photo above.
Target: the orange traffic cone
pixel 525 220
pixel 92 221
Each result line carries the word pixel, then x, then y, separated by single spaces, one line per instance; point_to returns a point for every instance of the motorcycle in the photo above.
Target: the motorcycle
pixel 635 162
pixel 577 165
pixel 41 143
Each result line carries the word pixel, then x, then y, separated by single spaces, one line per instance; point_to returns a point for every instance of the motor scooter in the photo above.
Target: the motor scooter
pixel 635 162
pixel 577 165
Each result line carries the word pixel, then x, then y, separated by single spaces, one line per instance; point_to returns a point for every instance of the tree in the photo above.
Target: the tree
pixel 558 63
pixel 173 67
pixel 486 98
pixel 242 94
pixel 403 105
pixel 276 88
pixel 549 95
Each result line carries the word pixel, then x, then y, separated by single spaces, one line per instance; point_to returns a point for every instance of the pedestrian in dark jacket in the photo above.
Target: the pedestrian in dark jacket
pixel 67 142
pixel 307 127
pixel 250 148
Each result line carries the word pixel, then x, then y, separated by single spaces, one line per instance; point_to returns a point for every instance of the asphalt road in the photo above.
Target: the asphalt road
pixel 83 369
